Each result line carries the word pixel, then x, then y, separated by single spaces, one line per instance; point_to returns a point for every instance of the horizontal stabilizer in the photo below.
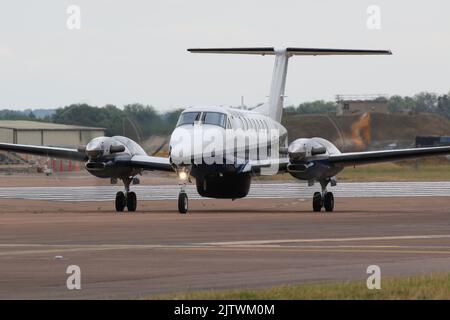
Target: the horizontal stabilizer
pixel 292 51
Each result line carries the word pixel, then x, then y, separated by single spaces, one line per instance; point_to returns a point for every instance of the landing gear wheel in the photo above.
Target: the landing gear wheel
pixel 120 201
pixel 317 202
pixel 131 201
pixel 328 201
pixel 182 203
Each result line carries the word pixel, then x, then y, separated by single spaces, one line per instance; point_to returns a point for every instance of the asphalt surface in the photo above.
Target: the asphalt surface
pixel 220 244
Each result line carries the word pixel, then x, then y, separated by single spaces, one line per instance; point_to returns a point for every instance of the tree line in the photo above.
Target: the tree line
pixel 419 103
pixel 136 121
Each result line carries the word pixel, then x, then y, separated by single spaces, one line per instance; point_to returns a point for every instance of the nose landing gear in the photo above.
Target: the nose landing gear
pixel 183 202
pixel 126 199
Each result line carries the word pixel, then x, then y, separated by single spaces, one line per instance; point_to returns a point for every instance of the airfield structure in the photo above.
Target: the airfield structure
pixel 361 104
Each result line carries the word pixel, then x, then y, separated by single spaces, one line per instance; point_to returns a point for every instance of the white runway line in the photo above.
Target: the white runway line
pixel 257 191
pixel 265 242
pixel 32 249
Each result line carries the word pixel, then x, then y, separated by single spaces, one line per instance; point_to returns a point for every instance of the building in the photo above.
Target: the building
pixel 46 134
pixel 360 104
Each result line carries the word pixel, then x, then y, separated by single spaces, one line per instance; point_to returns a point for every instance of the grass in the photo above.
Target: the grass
pixel 435 286
pixel 423 170
pixel 403 171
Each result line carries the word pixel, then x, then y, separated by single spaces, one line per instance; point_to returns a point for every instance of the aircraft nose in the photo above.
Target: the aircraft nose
pixel 181 146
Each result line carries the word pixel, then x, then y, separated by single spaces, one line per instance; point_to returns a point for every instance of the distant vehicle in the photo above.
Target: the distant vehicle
pixel 392 146
pixel 229 175
pixel 432 141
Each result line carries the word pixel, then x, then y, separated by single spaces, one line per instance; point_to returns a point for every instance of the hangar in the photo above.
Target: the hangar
pixel 47 134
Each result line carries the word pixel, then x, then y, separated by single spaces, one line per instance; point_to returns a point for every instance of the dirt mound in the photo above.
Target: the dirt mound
pixel 385 129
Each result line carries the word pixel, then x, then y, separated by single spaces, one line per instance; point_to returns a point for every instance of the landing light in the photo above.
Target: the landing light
pixel 182 175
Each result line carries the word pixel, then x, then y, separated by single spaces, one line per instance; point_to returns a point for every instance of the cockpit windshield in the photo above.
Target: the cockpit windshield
pixel 211 118
pixel 188 118
pixel 214 118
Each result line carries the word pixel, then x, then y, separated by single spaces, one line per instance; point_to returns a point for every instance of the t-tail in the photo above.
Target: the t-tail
pixel 274 106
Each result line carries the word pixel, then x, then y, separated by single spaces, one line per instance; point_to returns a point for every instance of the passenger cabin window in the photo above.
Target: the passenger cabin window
pixel 260 125
pixel 188 118
pixel 214 118
pixel 245 124
pixel 239 123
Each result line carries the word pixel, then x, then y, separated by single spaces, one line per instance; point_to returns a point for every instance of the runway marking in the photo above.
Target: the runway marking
pixel 408 250
pixel 302 250
pixel 287 190
pixel 259 242
pixel 274 245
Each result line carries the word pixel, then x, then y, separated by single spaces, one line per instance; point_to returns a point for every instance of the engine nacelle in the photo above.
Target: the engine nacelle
pixel 303 164
pixel 302 148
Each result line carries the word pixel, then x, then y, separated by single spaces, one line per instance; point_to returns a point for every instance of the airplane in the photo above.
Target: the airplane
pixel 229 175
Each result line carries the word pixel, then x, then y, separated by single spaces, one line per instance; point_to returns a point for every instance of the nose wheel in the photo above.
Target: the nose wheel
pixel 183 203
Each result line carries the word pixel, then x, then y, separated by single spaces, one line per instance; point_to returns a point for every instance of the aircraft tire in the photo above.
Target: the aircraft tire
pixel 182 203
pixel 328 202
pixel 317 202
pixel 120 201
pixel 131 201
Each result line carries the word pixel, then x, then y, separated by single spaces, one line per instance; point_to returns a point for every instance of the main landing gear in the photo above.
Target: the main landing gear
pixel 126 199
pixel 324 199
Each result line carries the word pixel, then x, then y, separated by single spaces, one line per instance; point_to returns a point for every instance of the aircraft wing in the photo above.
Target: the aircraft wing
pixel 358 158
pixel 147 163
pixel 63 153
pixel 270 166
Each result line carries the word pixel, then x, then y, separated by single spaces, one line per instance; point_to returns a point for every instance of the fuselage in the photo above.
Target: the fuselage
pixel 214 144
pixel 222 135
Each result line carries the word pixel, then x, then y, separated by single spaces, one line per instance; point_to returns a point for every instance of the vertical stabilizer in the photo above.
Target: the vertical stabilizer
pixel 274 106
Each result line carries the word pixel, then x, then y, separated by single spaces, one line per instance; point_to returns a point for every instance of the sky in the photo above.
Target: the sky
pixel 135 51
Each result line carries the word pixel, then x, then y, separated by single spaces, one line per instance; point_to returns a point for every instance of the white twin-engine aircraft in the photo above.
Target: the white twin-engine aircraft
pixel 222 148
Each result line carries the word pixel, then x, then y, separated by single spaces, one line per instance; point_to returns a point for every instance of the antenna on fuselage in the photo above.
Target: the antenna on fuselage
pixel 274 106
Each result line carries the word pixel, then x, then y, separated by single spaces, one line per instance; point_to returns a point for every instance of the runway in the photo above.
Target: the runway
pixel 221 244
pixel 257 191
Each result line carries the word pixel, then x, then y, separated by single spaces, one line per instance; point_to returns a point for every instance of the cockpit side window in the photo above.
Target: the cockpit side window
pixel 188 118
pixel 214 118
